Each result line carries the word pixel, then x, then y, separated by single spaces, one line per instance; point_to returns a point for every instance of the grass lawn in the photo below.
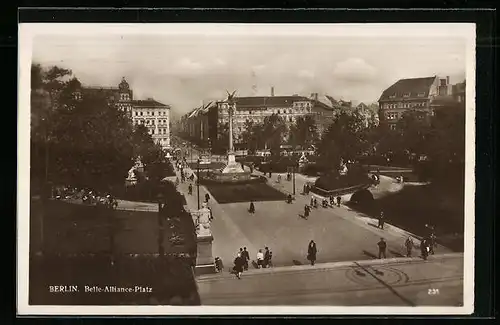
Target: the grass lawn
pixel 79 242
pixel 212 165
pixel 414 206
pixel 233 193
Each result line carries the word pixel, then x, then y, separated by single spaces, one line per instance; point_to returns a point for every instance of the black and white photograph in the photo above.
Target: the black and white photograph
pixel 205 169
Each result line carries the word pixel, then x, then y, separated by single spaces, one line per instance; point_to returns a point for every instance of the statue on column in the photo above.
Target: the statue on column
pixel 203 222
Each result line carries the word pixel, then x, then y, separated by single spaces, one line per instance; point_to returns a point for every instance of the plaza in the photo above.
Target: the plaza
pixel 341 234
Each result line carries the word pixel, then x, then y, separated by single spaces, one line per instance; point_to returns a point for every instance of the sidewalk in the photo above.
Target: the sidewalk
pixel 228 237
pixel 401 282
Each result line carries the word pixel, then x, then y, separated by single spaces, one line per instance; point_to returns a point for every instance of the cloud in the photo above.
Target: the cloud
pixel 354 69
pixel 308 74
pixel 188 64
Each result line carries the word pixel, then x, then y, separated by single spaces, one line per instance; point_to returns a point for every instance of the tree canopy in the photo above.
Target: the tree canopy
pixel 86 142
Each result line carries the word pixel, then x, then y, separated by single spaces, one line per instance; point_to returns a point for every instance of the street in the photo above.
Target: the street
pixel 404 282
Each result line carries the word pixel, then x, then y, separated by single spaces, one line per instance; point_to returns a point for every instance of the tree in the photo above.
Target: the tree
pixel 345 138
pixel 252 135
pixel 223 137
pixel 303 132
pixel 272 132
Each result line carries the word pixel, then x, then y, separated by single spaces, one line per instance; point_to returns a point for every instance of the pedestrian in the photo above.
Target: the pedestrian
pixel 190 189
pixel 251 169
pixel 251 209
pixel 381 220
pixel 332 201
pixel 409 246
pixel 207 197
pixel 238 266
pixel 289 198
pixel 219 267
pixel 279 178
pixel 176 181
pixel 307 189
pixel 311 252
pixel 338 201
pixel 432 243
pixel 382 245
pixel 424 249
pixel 306 211
pixel 315 203
pixel 246 258
pixel 270 174
pixel 312 201
pixel 267 257
pixel 260 259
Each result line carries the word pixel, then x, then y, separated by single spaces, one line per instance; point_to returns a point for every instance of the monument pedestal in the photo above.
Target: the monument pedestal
pixel 204 259
pixel 232 166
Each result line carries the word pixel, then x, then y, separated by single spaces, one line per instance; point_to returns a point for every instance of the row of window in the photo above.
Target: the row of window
pixel 160 131
pixel 274 111
pixel 395 116
pixel 140 113
pixel 421 94
pixel 124 97
pixel 151 122
pixel 404 105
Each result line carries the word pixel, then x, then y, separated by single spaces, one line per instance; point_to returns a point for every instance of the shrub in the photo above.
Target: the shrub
pixel 362 197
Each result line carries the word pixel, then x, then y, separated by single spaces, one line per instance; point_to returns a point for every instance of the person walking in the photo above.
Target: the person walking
pixel 409 246
pixel 246 258
pixel 311 252
pixel 424 248
pixel 338 201
pixel 267 257
pixel 190 189
pixel 312 201
pixel 207 197
pixel 238 266
pixel 432 243
pixel 306 211
pixel 332 201
pixel 251 209
pixel 382 245
pixel 381 220
pixel 260 259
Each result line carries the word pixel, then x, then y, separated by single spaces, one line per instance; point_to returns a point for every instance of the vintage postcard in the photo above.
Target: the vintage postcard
pixel 204 169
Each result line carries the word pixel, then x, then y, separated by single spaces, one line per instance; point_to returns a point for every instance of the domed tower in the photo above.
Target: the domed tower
pixel 125 96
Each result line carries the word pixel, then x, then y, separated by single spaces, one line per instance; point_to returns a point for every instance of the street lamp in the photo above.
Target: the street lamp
pixel 293 177
pixel 198 181
pixel 161 206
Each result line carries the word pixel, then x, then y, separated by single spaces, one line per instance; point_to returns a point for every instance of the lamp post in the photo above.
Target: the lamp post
pixel 293 178
pixel 198 181
pixel 161 206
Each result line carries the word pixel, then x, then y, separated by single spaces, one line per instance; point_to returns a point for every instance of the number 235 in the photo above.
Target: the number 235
pixel 433 292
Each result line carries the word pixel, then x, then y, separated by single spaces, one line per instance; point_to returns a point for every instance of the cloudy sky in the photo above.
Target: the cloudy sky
pixel 183 70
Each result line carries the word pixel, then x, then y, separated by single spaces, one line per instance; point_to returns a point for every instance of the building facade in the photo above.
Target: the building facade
pixel 155 116
pixel 205 123
pixel 150 113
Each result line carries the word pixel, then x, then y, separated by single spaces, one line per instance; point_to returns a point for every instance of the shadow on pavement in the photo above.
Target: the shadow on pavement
pixel 370 254
pixel 397 254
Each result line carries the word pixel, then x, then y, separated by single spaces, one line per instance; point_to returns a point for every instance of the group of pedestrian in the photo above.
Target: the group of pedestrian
pixel 242 259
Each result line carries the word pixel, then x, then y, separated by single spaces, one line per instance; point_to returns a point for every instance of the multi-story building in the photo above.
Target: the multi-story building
pixel 152 114
pixel 420 94
pixel 203 124
pixel 155 116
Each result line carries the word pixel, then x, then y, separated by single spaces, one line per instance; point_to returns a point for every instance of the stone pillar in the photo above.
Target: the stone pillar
pixel 231 112
pixel 204 257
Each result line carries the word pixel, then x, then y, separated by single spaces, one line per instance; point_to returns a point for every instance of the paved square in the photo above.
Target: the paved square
pixel 232 193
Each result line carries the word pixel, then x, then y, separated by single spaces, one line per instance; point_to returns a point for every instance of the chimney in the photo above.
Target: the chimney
pixel 272 91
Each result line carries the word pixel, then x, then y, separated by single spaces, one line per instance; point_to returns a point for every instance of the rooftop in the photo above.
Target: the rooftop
pixel 413 87
pixel 149 103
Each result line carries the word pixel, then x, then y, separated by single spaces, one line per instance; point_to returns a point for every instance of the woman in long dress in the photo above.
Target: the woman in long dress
pixel 311 252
